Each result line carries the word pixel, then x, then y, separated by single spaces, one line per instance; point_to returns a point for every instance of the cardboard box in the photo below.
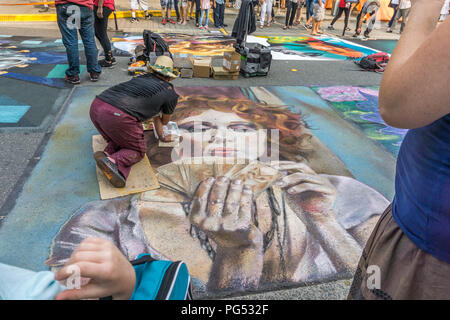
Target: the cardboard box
pixel 219 73
pixel 202 67
pixel 231 61
pixel 183 61
pixel 186 73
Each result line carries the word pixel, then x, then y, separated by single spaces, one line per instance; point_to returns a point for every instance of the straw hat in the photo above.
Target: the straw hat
pixel 164 66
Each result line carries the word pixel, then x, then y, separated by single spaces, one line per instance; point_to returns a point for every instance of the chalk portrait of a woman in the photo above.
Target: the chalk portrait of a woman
pixel 309 224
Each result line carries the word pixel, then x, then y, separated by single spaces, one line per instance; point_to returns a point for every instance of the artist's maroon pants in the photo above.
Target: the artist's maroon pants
pixel 123 133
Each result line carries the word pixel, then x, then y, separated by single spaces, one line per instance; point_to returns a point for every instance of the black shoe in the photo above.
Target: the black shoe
pixel 107 63
pixel 148 16
pixel 330 27
pixel 224 25
pixel 356 35
pixel 133 20
pixel 94 76
pixel 366 34
pixel 109 169
pixel 73 79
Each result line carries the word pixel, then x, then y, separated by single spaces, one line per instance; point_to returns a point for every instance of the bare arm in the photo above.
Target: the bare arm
pixel 158 125
pixel 159 122
pixel 414 89
pixel 165 118
pixel 100 9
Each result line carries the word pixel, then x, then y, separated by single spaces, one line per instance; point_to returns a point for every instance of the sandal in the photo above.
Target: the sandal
pixel 261 26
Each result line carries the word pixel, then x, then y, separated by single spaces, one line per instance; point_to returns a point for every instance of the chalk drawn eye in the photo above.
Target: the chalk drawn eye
pixel 195 127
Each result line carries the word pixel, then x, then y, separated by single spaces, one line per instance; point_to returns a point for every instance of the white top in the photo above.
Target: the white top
pixel 405 4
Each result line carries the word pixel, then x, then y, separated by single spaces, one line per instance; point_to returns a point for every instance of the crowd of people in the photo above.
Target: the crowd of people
pixel 96 24
pixel 314 15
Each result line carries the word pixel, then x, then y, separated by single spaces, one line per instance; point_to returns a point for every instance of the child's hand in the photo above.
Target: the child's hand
pixel 110 273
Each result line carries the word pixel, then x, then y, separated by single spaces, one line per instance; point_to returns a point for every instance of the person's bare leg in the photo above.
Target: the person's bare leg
pixel 185 15
pixel 319 25
pixel 314 26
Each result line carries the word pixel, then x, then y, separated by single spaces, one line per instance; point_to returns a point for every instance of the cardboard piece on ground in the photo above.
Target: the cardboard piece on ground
pixel 231 61
pixel 142 177
pixel 219 73
pixel 202 67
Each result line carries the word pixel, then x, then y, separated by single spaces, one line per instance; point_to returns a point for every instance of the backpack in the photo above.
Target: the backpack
pixel 154 43
pixel 160 280
pixel 375 62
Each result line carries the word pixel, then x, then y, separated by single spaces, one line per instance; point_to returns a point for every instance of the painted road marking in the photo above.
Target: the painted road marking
pixel 12 114
pixel 59 71
pixel 31 42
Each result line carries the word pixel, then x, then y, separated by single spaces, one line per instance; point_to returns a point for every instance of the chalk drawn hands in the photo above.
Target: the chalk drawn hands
pixel 313 194
pixel 224 210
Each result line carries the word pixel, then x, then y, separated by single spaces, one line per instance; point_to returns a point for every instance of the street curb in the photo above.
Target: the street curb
pixel 52 16
pixel 43 17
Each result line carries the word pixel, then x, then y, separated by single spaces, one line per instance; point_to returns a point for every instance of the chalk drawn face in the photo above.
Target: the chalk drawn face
pixel 223 134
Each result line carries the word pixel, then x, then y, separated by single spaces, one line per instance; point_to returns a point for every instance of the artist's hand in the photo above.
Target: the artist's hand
pixel 314 194
pixel 109 272
pixel 100 12
pixel 169 138
pixel 224 209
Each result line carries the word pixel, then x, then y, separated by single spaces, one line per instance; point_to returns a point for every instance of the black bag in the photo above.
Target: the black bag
pixel 154 43
pixel 256 59
pixel 375 62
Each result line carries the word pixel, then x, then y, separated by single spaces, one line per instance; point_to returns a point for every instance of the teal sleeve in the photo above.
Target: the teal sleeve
pixel 22 284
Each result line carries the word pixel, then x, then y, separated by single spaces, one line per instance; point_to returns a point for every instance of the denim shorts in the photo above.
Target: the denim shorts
pixel 165 4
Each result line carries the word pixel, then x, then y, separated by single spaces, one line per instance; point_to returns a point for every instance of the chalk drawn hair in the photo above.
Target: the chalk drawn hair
pixel 293 138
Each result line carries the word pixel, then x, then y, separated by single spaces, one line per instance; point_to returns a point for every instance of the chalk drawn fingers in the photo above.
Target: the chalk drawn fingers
pixel 200 202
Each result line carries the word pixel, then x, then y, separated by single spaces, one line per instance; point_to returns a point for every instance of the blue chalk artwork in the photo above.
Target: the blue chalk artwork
pixel 11 111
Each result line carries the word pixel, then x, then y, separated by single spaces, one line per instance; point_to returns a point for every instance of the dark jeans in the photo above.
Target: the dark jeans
pixel 219 13
pixel 395 14
pixel 101 29
pixel 198 11
pixel 123 133
pixel 339 14
pixel 177 12
pixel 309 9
pixel 290 13
pixel 67 16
